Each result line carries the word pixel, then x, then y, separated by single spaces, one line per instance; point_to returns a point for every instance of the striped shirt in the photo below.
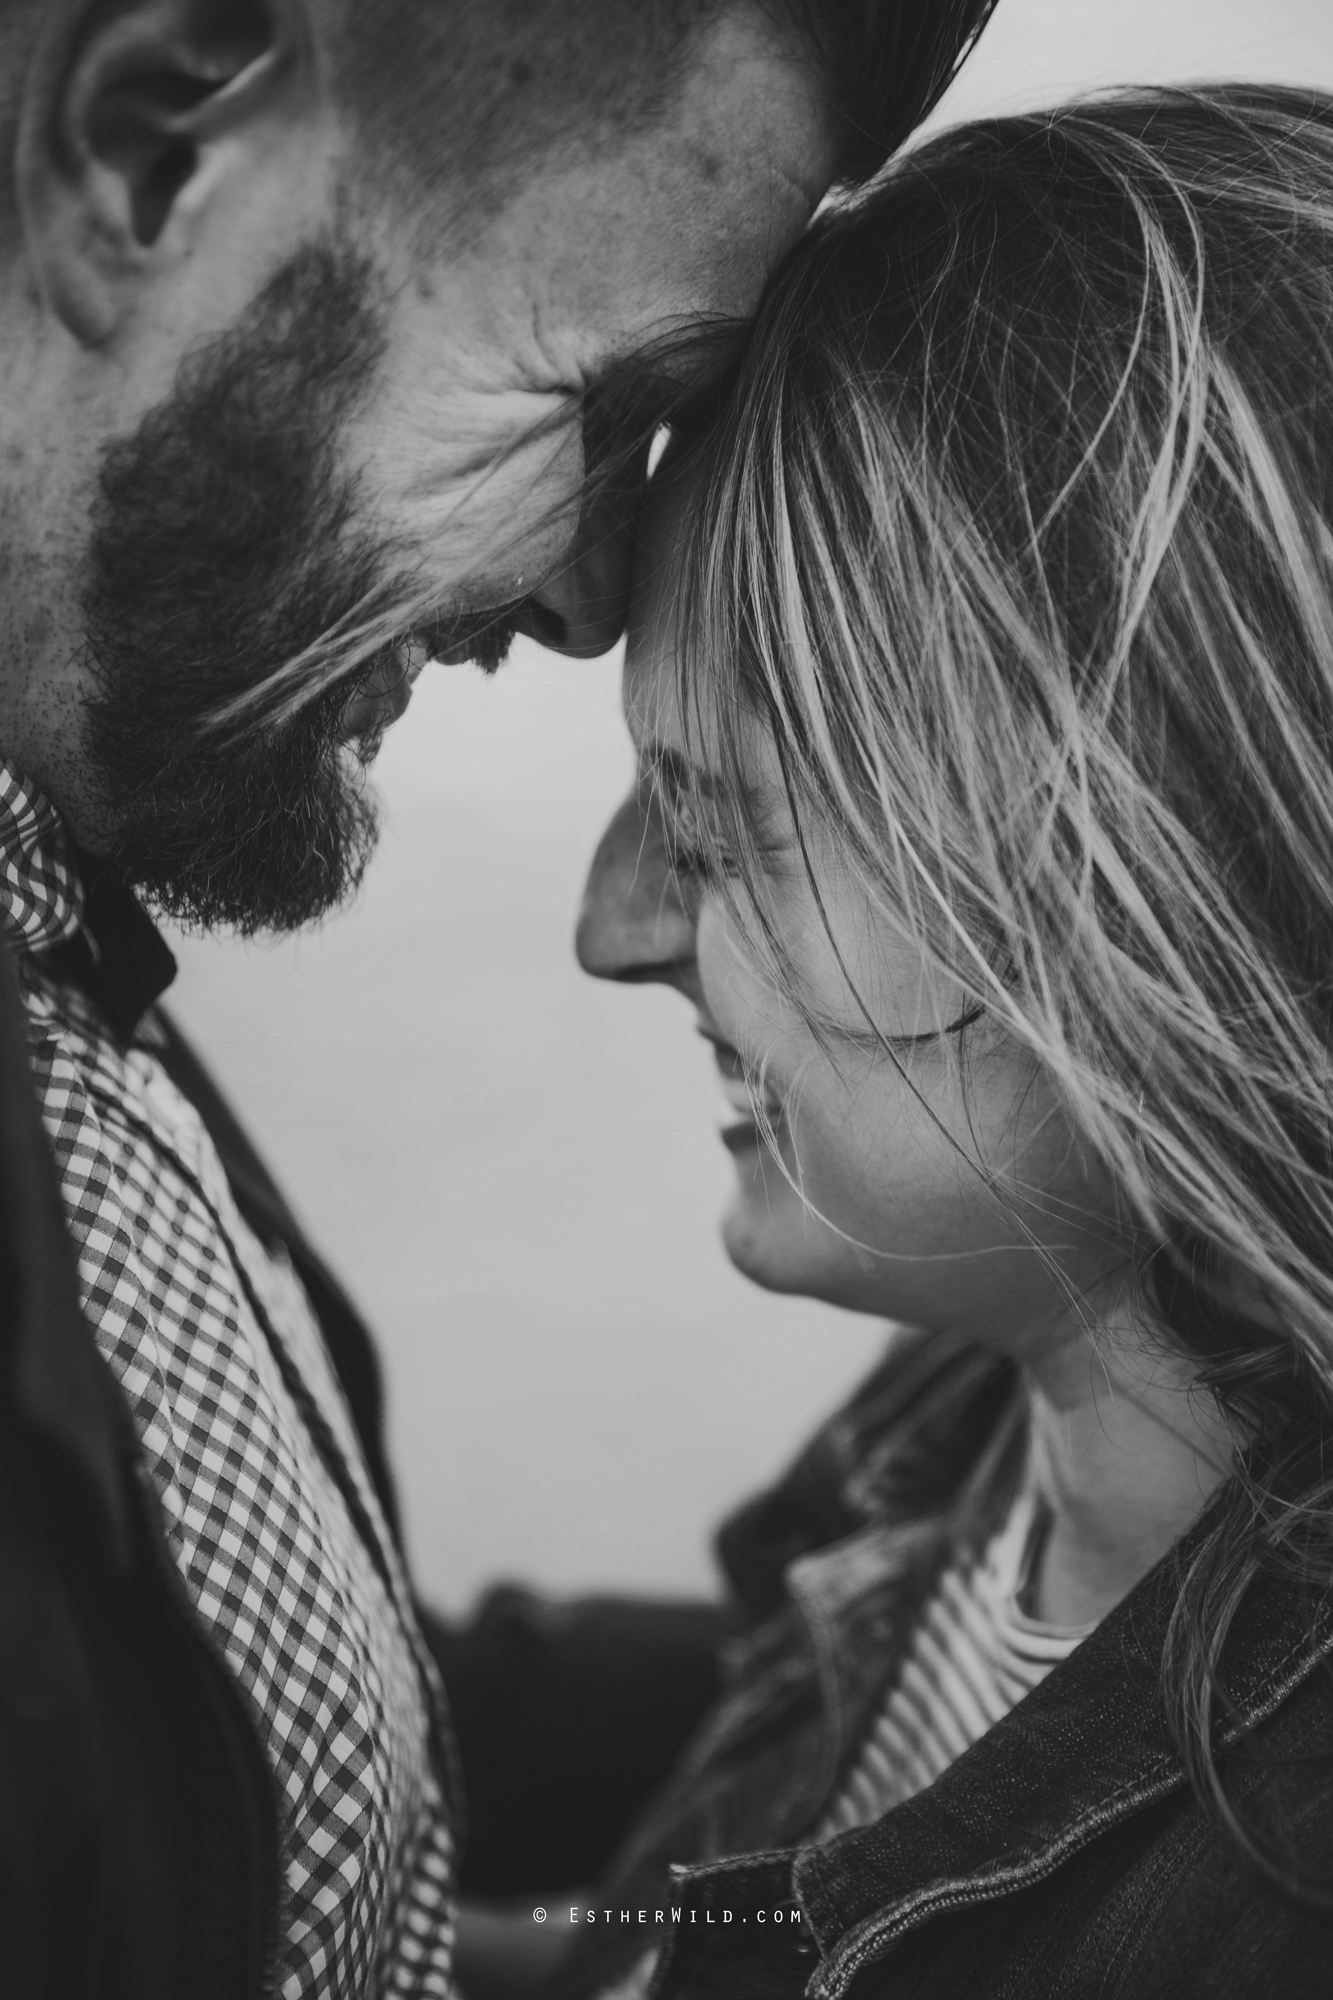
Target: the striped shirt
pixel 248 1447
pixel 974 1655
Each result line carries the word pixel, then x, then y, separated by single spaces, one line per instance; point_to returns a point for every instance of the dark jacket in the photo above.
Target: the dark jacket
pixel 138 1831
pixel 1064 1854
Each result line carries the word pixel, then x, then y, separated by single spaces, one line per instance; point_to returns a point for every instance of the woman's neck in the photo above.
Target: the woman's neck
pixel 1125 1456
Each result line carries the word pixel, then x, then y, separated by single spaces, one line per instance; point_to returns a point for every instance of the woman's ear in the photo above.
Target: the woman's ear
pixel 135 113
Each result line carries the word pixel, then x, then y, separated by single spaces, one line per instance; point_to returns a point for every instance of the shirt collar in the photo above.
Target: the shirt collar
pixel 57 901
pixel 41 895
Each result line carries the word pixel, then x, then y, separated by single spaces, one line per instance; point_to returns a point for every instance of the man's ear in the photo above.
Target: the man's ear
pixel 134 113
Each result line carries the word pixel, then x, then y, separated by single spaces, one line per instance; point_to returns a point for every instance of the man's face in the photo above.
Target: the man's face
pixel 390 443
pixel 468 439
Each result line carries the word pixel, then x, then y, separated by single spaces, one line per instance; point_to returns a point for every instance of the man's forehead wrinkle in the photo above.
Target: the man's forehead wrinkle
pixel 460 503
pixel 483 443
pixel 566 375
pixel 680 349
pixel 449 509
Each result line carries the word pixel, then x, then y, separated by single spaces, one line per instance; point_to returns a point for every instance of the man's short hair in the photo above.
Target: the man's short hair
pixel 466 93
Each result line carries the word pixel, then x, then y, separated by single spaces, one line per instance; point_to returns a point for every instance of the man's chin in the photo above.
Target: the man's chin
pixel 269 877
pixel 357 754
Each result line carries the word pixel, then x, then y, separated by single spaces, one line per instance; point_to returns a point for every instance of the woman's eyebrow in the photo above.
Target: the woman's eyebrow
pixel 676 776
pixel 671 768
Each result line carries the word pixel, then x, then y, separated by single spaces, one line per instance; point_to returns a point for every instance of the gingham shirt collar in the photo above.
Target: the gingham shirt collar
pixel 41 895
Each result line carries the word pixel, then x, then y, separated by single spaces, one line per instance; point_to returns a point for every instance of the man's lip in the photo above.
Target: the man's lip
pixel 377 708
pixel 452 640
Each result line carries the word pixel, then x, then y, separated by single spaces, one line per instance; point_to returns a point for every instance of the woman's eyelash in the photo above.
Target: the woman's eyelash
pixel 696 863
pixel 700 851
pixel 690 854
pixel 695 860
pixel 964 1020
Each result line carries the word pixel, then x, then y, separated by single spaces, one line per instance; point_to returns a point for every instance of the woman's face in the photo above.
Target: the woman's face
pixel 898 1163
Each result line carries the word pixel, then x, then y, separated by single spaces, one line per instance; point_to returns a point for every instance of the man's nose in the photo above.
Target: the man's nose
pixel 581 610
pixel 633 924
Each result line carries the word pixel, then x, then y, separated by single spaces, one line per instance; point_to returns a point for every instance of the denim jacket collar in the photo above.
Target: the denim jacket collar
pixel 1088 1747
pixel 925 1465
pixel 859 1528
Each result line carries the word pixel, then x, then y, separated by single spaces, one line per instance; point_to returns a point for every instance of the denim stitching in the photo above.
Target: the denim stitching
pixel 1034 1868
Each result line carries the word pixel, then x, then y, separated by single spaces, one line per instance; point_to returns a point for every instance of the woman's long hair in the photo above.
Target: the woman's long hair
pixel 1017 535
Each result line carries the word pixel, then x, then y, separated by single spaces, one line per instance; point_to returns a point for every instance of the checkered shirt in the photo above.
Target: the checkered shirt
pixel 250 1451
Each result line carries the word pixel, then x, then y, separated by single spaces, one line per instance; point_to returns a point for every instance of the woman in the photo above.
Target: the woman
pixel 982 678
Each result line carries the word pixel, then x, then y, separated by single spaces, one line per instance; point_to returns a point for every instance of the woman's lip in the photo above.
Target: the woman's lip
pixel 742 1128
pixel 727 1056
pixel 736 1094
pixel 742 1137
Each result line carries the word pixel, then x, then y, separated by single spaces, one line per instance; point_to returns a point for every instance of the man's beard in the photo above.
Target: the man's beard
pixel 223 546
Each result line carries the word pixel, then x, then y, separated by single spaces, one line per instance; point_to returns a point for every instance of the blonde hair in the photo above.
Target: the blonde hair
pixel 1017 535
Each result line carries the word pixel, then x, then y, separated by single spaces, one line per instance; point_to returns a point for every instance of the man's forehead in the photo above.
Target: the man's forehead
pixel 481 98
pixel 614 252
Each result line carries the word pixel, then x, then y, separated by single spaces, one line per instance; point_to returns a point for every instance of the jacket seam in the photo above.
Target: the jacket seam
pixel 938 1897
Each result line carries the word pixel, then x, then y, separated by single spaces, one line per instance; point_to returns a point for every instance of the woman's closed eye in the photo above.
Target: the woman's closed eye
pixel 699 820
pixel 697 852
pixel 962 1021
pixel 875 1039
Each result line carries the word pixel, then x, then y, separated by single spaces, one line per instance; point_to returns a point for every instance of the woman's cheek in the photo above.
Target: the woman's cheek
pixel 828 1147
pixel 875 1160
pixel 740 999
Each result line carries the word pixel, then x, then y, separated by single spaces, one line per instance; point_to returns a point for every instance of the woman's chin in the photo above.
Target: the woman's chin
pixel 772 1238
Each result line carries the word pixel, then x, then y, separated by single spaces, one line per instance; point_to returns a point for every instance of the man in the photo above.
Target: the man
pixel 330 334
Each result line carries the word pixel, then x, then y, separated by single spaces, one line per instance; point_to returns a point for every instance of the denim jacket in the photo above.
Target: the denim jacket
pixel 1063 1854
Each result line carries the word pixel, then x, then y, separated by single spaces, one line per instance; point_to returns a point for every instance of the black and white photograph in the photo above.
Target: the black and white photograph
pixel 666 1000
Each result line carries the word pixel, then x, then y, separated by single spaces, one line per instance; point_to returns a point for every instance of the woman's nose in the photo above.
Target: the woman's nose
pixel 633 924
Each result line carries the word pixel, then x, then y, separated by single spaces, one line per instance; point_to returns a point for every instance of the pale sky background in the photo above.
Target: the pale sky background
pixel 515 1170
